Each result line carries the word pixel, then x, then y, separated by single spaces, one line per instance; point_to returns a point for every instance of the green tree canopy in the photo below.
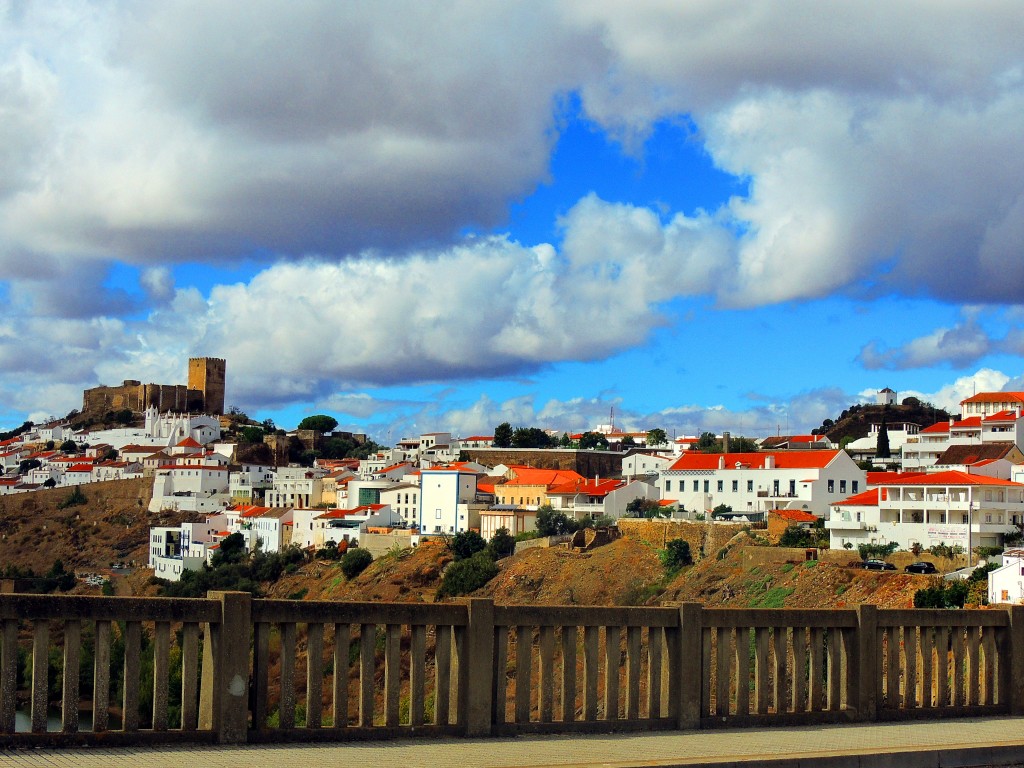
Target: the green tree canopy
pixel 656 436
pixel 503 435
pixel 591 440
pixel 319 423
pixel 882 450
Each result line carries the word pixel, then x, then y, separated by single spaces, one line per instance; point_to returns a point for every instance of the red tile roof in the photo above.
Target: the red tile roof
pixel 952 477
pixel 188 442
pixel 795 515
pixel 868 498
pixel 783 460
pixel 935 429
pixel 973 421
pixel 588 487
pixel 995 397
pixel 1003 416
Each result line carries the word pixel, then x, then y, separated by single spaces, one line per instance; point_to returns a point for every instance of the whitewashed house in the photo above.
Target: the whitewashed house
pixel 447 501
pixel 758 482
pixel 1006 583
pixel 952 508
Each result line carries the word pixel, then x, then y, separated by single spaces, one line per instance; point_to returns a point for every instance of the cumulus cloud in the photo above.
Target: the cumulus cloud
pixel 878 143
pixel 958 346
pixel 950 395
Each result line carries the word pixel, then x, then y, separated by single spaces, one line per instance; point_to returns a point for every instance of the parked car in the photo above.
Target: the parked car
pixel 878 565
pixel 921 567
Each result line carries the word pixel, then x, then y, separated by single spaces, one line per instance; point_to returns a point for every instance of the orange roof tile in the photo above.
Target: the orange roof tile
pixel 795 515
pixel 188 442
pixel 783 460
pixel 867 498
pixel 935 429
pixel 995 397
pixel 952 477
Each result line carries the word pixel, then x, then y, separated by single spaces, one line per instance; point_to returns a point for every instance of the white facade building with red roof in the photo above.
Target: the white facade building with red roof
pixel 757 482
pixel 950 507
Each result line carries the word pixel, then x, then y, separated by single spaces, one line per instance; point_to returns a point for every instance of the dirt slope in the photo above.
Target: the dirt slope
pixel 814 584
pixel 112 526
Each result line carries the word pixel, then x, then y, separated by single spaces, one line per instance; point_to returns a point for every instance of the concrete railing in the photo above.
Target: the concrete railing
pixel 232 669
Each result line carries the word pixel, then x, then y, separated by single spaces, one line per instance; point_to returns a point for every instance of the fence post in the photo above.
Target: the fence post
pixel 1016 674
pixel 690 674
pixel 224 696
pixel 865 681
pixel 479 667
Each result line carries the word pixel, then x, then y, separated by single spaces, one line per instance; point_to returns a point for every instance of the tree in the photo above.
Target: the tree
pixel 250 434
pixel 531 437
pixel 882 450
pixel 467 576
pixel 268 426
pixel 795 536
pixel 592 440
pixel 355 561
pixel 676 555
pixel 565 441
pixel 319 423
pixel 643 507
pixel 707 442
pixel 27 465
pixel 552 523
pixel 656 436
pixel 720 510
pixel 502 544
pixel 465 544
pixel 503 435
pixel 69 446
pixel 628 442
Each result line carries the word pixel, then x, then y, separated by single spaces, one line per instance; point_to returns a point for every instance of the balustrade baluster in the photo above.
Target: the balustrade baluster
pixel 314 674
pixel 69 697
pixel 568 698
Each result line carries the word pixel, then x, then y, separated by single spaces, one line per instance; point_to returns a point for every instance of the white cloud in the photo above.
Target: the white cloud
pixel 958 346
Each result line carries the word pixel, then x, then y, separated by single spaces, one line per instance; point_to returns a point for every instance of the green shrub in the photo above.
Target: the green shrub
pixel 465 576
pixel 676 555
pixel 466 544
pixel 876 551
pixel 73 499
pixel 355 561
pixel 501 544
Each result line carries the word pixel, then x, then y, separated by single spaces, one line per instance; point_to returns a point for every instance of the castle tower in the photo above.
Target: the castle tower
pixel 207 374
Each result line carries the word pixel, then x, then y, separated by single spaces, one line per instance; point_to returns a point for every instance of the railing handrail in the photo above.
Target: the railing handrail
pixel 685 666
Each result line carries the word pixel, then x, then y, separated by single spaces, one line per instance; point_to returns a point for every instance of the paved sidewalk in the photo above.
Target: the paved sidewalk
pixel 934 744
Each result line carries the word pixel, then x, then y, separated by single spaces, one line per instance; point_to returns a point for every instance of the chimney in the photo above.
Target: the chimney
pixel 725 442
pixel 721 462
pixel 769 461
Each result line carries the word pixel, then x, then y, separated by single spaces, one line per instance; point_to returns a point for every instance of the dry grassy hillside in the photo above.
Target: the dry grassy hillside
pixel 111 526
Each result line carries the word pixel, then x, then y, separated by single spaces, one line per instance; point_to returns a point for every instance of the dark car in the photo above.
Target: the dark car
pixel 879 565
pixel 921 567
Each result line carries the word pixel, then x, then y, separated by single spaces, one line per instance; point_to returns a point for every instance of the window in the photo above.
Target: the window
pixel 750 486
pixel 842 486
pixel 831 486
pixel 853 486
pixel 721 485
pixel 792 487
pixel 775 488
pixel 735 486
pixel 437 514
pixel 668 486
pixel 707 486
pixel 696 485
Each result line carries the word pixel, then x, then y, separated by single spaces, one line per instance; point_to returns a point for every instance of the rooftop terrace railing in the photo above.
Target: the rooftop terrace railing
pixel 229 668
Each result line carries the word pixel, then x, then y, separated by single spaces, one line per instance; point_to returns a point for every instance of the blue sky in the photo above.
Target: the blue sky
pixel 444 216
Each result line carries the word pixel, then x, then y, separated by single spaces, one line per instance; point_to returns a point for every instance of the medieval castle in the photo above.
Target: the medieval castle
pixel 204 392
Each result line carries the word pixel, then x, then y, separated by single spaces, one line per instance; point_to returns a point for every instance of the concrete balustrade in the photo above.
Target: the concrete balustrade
pixel 284 670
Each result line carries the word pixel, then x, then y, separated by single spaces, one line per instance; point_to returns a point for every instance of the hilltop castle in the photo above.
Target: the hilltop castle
pixel 204 392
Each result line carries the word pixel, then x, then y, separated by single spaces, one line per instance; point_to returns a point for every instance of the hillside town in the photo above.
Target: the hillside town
pixel 957 484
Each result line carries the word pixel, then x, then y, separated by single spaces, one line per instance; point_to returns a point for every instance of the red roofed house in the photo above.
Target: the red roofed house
pixel 781 519
pixel 950 507
pixel 592 498
pixel 758 482
pixel 987 425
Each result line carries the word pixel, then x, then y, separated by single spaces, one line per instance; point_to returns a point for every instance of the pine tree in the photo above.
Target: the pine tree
pixel 882 450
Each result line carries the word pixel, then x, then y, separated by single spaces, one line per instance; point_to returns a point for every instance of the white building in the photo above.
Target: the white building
pixel 865 448
pixel 952 508
pixel 296 487
pixel 248 481
pixel 446 500
pixel 642 464
pixel 1006 583
pixel 190 488
pixel 583 499
pixel 404 499
pixel 758 482
pixel 183 547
